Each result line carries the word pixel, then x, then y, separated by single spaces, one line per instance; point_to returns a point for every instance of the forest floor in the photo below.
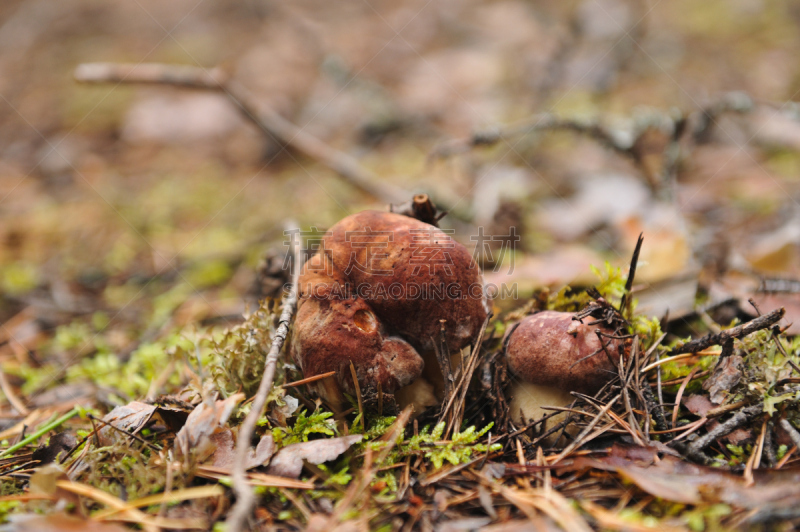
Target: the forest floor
pixel 147 218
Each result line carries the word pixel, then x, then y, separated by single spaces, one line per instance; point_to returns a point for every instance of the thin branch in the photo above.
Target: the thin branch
pixel 540 122
pixel 270 122
pixel 739 418
pixel 791 431
pixel 625 304
pixel 762 322
pixel 244 493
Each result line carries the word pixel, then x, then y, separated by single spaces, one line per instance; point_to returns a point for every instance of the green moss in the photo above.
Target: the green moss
pixel 134 377
pixel 303 427
pixel 458 450
pixel 209 273
pixel 18 278
pixel 72 336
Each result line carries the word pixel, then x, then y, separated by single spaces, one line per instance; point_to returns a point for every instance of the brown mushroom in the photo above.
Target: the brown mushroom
pixel 376 295
pixel 549 355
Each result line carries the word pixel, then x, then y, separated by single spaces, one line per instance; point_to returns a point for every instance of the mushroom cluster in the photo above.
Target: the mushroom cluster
pixel 376 296
pixel 551 354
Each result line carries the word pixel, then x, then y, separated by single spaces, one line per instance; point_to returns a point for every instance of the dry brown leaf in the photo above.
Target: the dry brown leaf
pixel 225 448
pixel 62 442
pixel 671 478
pixel 206 419
pixel 262 453
pixel 225 452
pixel 43 481
pixel 289 460
pixel 130 418
pixel 727 374
pixel 698 405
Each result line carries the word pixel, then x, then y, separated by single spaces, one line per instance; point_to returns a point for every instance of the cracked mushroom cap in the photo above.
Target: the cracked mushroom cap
pixel 375 295
pixel 550 355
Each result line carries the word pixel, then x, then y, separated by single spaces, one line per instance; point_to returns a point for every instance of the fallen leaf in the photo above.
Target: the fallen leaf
pixel 43 481
pixel 698 405
pixel 130 418
pixel 63 442
pixel 289 460
pixel 225 451
pixel 173 411
pixel 206 419
pixel 726 375
pixel 774 493
pixel 262 453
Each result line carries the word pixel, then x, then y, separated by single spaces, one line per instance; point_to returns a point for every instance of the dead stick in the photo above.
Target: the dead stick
pixel 270 122
pixel 244 493
pixel 739 418
pixel 791 431
pixel 762 322
pixel 540 122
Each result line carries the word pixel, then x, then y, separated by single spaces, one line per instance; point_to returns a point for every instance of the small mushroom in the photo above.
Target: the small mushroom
pixel 549 355
pixel 376 295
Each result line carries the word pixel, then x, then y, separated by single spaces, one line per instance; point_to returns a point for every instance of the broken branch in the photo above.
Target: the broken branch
pixel 740 331
pixel 244 493
pixel 270 122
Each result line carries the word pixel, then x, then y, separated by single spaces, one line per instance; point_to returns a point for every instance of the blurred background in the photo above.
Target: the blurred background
pixel 130 211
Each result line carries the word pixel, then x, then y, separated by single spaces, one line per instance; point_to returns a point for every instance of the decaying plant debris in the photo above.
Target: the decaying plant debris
pixel 710 443
pixel 173 411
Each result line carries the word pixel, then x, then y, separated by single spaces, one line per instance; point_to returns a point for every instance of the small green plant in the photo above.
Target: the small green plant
pixel 342 477
pixel 303 427
pixel 238 353
pixel 133 377
pixel 458 450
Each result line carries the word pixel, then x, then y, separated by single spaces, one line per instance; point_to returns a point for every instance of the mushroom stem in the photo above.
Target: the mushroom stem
pixel 528 399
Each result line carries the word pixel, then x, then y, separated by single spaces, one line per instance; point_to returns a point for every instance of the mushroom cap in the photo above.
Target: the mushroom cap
pixel 331 333
pixel 375 294
pixel 544 349
pixel 406 256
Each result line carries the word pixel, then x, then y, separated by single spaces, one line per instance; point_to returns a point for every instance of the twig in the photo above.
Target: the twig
pixel 681 132
pixel 791 431
pixel 244 493
pixel 769 449
pixel 762 322
pixel 309 380
pixel 739 418
pixel 123 431
pixel 540 122
pixel 625 303
pixel 682 356
pixel 656 408
pixel 270 122
pixel 724 409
